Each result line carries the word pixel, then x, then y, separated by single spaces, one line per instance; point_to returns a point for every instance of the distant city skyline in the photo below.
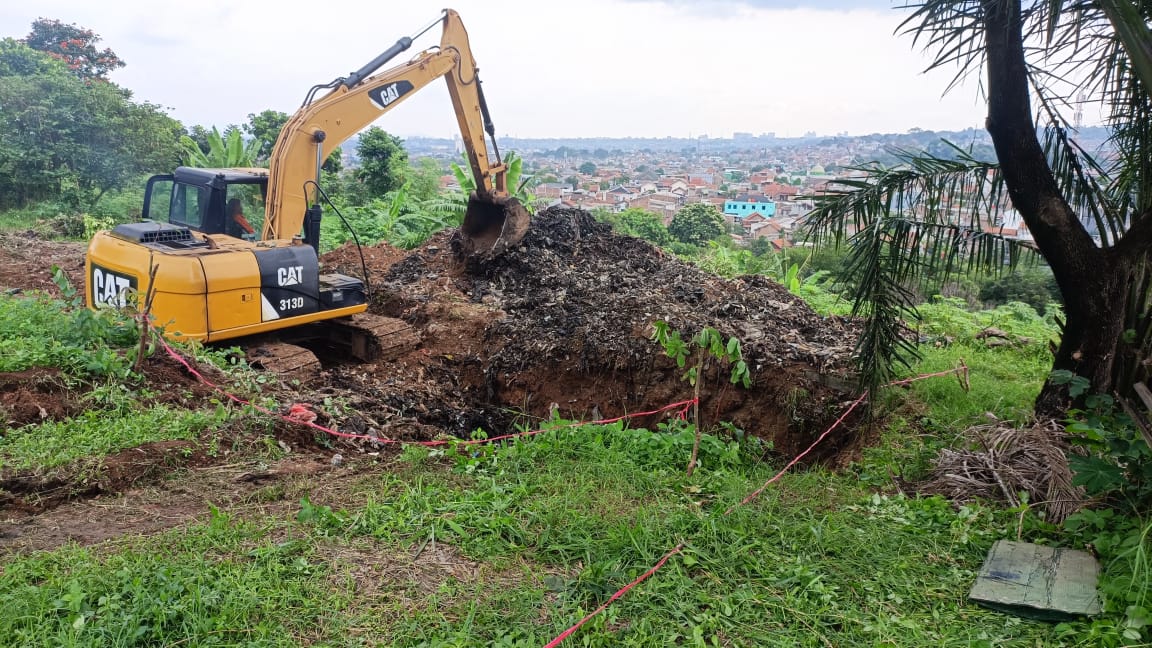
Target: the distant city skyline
pixel 599 68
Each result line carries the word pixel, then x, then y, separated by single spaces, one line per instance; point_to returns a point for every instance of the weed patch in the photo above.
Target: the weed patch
pixel 205 586
pixel 95 434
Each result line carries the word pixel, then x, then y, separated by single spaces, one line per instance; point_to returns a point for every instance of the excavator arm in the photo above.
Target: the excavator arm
pixel 356 101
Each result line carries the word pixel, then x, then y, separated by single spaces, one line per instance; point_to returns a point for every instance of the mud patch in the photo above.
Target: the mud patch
pixel 36 396
pixel 32 491
pixel 248 489
pixel 28 261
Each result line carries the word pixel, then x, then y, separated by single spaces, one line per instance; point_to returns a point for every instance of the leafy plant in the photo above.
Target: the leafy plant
pixel 39 331
pixel 708 343
pixel 1124 545
pixel 224 151
pixel 1119 463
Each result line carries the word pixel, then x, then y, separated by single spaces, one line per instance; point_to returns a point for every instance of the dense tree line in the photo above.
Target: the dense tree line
pixel 70 135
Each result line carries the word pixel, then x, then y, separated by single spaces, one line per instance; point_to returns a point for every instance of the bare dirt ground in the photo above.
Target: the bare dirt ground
pixel 561 324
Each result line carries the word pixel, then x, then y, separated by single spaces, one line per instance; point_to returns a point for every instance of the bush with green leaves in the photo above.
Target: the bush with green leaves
pixel 697 223
pixel 1116 469
pixel 638 223
pixel 1118 464
pixel 38 331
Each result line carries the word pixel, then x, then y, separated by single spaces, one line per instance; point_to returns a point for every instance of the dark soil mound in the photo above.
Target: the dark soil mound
pixel 564 321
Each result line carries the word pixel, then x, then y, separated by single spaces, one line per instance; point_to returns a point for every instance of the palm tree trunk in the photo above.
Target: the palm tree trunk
pixel 1092 280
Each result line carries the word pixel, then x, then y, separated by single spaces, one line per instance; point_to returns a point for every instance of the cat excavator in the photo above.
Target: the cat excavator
pixel 208 273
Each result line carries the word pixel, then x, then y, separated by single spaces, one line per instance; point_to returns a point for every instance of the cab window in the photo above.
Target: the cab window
pixel 159 199
pixel 188 206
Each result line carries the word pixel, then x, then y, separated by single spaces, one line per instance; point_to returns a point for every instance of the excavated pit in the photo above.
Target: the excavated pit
pixel 563 321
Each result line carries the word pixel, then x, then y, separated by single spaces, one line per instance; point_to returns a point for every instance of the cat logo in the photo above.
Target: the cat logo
pixel 111 288
pixel 290 276
pixel 388 94
pixel 385 96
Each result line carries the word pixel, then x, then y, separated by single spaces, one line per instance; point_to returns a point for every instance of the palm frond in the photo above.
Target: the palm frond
pixel 907 228
pixel 952 31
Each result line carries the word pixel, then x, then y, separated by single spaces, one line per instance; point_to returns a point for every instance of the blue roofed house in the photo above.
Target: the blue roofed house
pixel 745 205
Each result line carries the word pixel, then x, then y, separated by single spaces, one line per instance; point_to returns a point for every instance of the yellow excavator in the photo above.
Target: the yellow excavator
pixel 211 275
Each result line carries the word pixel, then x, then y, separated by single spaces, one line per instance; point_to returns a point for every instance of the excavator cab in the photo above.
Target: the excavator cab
pixel 209 201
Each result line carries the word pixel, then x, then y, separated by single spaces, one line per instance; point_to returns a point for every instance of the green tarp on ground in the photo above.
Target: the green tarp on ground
pixel 1038 582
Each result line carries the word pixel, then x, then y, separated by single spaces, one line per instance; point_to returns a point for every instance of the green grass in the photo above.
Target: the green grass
pixel 521 542
pixel 1003 382
pixel 818 560
pixel 95 433
pixel 218 584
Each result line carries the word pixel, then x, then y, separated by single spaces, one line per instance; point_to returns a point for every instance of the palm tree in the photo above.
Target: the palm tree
pixel 1090 214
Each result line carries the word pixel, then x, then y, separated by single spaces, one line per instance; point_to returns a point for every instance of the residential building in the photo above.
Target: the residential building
pixel 746 205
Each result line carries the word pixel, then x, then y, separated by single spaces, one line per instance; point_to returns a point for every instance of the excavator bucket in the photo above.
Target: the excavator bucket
pixel 492 225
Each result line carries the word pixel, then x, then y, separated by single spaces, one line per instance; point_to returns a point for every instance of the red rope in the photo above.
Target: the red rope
pixel 756 493
pixel 621 592
pixel 683 406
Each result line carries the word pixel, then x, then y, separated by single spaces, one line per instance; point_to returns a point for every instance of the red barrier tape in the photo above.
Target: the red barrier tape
pixel 683 414
pixel 756 493
pixel 683 406
pixel 621 592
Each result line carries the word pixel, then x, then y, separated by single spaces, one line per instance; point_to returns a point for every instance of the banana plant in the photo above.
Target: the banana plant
pixel 454 205
pixel 223 152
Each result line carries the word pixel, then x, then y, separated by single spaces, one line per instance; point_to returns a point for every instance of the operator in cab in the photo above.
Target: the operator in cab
pixel 236 218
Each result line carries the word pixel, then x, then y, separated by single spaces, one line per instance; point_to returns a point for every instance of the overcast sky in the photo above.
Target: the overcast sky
pixel 614 68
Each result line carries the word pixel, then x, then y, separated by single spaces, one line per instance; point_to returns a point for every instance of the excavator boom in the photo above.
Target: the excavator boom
pixel 493 222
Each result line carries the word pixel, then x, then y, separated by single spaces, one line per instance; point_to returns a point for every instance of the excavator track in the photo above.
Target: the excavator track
pixel 285 360
pixel 373 338
pixel 362 337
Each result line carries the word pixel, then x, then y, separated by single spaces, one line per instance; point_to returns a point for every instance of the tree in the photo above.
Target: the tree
pixel 641 224
pixel 588 168
pixel 199 135
pixel 265 128
pixel 383 161
pixel 1091 218
pixel 69 139
pixel 75 46
pixel 424 180
pixel 696 224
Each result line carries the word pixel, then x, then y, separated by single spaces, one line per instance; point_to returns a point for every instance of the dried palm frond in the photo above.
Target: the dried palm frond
pixel 1004 461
